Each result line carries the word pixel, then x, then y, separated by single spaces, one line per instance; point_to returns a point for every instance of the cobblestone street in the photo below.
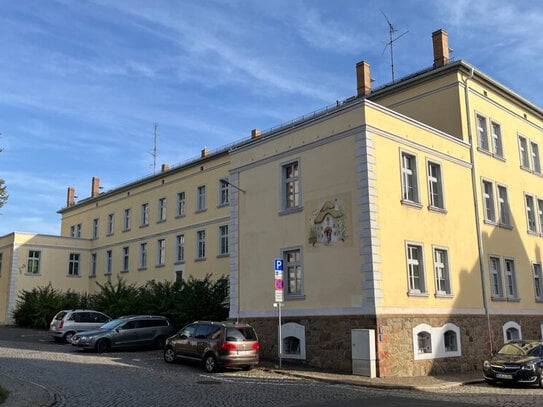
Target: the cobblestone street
pixel 143 379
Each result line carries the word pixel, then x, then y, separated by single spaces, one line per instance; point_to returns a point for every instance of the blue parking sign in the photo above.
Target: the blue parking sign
pixel 278 264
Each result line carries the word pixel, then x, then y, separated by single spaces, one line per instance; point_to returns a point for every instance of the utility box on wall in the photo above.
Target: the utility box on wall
pixel 363 352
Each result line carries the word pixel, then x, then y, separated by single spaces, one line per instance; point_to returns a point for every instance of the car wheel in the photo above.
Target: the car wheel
pixel 160 342
pixel 169 355
pixel 68 337
pixel 103 346
pixel 210 363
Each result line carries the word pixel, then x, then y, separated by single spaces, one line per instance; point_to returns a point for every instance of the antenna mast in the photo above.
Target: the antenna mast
pixel 154 150
pixel 390 43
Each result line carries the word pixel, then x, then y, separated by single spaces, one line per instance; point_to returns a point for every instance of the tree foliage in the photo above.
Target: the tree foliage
pixel 181 302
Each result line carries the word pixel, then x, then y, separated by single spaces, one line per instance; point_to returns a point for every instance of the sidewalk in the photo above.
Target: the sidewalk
pixel 26 394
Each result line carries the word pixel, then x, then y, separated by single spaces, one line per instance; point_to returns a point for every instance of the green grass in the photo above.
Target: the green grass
pixel 3 395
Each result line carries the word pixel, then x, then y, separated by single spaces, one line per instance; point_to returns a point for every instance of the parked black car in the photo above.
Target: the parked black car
pixel 519 361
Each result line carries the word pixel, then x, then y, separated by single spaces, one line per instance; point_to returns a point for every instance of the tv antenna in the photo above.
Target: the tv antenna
pixel 153 152
pixel 391 41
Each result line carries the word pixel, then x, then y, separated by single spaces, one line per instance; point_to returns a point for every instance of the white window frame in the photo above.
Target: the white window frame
pixel 531 222
pixel 488 201
pixel 181 203
pixel 538 281
pixel 223 248
pixel 34 262
pixel 110 223
pixel 509 328
pixel 496 280
pixel 435 185
pixel 161 210
pixel 109 262
pixel 144 214
pixel 497 143
pixel 200 244
pixel 125 259
pixel 74 264
pixel 224 190
pixel 439 346
pixel 442 271
pixel 291 176
pixel 482 133
pixel 504 211
pixel 523 152
pixel 93 264
pixel 540 214
pixel 161 252
pixel 95 228
pixel 143 256
pixel 510 278
pixel 127 219
pixel 536 161
pixel 201 198
pixel 415 269
pixel 293 273
pixel 180 248
pixel 410 181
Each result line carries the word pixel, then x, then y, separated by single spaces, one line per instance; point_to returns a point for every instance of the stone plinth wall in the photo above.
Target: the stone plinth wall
pixel 328 341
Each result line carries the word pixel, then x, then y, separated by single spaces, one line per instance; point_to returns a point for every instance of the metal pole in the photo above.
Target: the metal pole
pixel 279 305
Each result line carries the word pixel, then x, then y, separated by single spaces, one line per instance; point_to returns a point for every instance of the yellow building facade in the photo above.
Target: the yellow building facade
pixel 412 213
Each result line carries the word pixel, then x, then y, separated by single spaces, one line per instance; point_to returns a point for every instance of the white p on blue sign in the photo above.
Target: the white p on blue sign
pixel 278 264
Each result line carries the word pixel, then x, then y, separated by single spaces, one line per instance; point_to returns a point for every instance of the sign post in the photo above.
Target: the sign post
pixel 279 285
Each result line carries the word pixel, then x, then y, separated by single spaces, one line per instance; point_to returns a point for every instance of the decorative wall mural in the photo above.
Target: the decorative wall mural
pixel 328 225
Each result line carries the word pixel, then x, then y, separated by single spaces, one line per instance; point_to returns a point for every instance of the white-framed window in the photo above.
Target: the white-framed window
pixel 181 204
pixel 201 244
pixel 95 228
pixel 93 265
pixel 523 151
pixel 161 252
pixel 73 264
pixel 201 198
pixel 482 133
pixel 436 342
pixel 510 279
pixel 415 269
pixel 511 331
pixel 126 259
pixel 293 273
pixel 503 206
pixel 488 201
pixel 538 281
pixel 33 263
pixel 143 256
pixel 530 214
pixel 161 210
pixel 536 163
pixel 223 192
pixel 109 262
pixel 496 284
pixel 497 144
pixel 540 213
pixel 223 240
pixel 127 219
pixel 110 223
pixel 441 271
pixel 180 248
pixel 75 230
pixel 291 179
pixel 144 214
pixel 410 190
pixel 435 186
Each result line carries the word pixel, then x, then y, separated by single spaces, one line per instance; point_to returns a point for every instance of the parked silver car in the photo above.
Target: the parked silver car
pixel 67 323
pixel 125 332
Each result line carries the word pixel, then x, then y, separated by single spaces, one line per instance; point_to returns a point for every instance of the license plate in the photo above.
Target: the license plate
pixel 243 352
pixel 503 376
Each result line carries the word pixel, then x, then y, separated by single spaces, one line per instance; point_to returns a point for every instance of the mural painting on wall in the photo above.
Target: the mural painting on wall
pixel 328 221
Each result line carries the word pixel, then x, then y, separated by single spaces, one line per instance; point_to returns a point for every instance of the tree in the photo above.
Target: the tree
pixel 3 190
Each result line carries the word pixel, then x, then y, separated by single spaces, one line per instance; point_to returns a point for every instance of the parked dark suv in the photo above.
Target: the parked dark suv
pixel 215 344
pixel 519 361
pixel 130 331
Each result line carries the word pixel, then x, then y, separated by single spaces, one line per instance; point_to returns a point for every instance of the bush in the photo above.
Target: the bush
pixel 181 302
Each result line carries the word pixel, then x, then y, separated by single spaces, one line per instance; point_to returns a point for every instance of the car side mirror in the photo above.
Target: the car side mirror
pixel 183 336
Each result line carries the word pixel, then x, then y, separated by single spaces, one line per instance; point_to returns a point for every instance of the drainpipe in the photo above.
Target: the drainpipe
pixel 474 184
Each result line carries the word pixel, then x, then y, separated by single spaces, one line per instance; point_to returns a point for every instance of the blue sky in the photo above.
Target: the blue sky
pixel 82 83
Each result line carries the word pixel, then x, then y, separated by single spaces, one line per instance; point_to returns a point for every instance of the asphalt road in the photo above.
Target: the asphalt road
pixel 142 378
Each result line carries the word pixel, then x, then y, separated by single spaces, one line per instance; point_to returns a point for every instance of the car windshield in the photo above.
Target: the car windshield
pixel 520 349
pixel 113 324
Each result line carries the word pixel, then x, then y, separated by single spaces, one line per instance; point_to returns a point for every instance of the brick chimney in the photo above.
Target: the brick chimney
pixel 165 167
pixel 255 133
pixel 363 78
pixel 440 39
pixel 70 199
pixel 205 152
pixel 95 188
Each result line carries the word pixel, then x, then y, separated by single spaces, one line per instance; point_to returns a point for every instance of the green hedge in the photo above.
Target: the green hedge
pixel 182 302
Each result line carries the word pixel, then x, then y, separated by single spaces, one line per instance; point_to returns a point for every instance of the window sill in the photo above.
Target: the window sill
pixel 180 216
pixel 417 294
pixel 200 259
pixel 291 210
pixel 222 205
pixel 201 210
pixel 144 226
pixel 412 204
pixel 73 276
pixel 219 256
pixel 179 262
pixel 498 299
pixel 444 295
pixel 298 297
pixel 142 268
pixel 126 230
pixel 124 271
pixel 161 221
pixel 437 209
